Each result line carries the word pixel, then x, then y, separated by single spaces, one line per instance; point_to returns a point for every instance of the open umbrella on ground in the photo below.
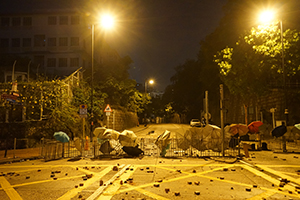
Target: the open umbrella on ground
pixel 279 131
pixel 61 136
pixel 127 138
pixel 297 126
pixel 104 133
pixel 239 129
pixel 254 126
pixel 212 138
pixel 164 140
pixel 133 151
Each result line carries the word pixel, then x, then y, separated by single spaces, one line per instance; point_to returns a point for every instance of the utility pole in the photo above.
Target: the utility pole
pixel 222 118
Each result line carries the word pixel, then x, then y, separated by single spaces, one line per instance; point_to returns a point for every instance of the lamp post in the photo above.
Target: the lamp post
pixel 107 22
pixel 151 82
pixel 268 16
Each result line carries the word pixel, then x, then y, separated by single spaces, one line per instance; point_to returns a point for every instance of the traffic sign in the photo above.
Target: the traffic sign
pixel 107 108
pixel 83 106
pixel 83 111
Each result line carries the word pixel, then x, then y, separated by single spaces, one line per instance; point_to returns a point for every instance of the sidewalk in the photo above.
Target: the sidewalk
pixel 19 154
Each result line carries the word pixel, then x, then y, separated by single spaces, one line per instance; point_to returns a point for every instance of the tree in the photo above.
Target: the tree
pixel 254 63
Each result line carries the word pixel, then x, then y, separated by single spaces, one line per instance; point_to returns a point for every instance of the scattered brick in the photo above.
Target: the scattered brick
pixel 156 185
pixel 115 168
pixel 197 192
pixel 248 189
pixel 225 169
pixel 233 169
pixel 101 182
pixel 177 193
pixel 281 184
pixel 76 186
pixel 189 182
pixel 81 184
pixel 255 186
pixel 89 175
pixel 27 177
pixel 167 190
pixel 197 182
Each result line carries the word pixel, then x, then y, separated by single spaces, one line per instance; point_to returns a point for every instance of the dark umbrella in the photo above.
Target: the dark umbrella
pixel 279 131
pixel 133 151
pixel 61 136
pixel 254 126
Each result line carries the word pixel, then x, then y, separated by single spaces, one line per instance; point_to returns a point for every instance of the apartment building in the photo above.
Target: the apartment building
pixel 54 35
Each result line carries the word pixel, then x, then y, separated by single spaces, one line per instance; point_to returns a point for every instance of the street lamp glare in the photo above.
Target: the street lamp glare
pixel 107 21
pixel 151 82
pixel 266 16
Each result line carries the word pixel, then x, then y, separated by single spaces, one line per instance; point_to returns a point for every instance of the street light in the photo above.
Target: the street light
pixel 267 17
pixel 107 22
pixel 149 81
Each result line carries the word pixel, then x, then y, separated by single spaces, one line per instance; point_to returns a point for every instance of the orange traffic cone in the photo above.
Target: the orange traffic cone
pixel 86 146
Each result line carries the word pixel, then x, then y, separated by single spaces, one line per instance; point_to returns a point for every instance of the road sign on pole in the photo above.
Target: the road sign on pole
pixel 107 108
pixel 83 111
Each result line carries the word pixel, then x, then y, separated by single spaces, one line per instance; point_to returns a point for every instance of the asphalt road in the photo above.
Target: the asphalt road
pixel 266 175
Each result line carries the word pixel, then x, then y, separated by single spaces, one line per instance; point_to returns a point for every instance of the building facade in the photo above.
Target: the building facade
pixel 55 36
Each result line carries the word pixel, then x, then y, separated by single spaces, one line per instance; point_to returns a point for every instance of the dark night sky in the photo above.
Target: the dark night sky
pixel 157 34
pixel 165 35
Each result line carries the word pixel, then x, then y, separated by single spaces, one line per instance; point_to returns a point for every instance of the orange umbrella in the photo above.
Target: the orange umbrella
pixel 240 129
pixel 254 126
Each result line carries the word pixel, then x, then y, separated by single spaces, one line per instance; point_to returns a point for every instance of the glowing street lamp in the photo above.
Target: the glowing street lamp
pixel 107 22
pixel 268 17
pixel 151 82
